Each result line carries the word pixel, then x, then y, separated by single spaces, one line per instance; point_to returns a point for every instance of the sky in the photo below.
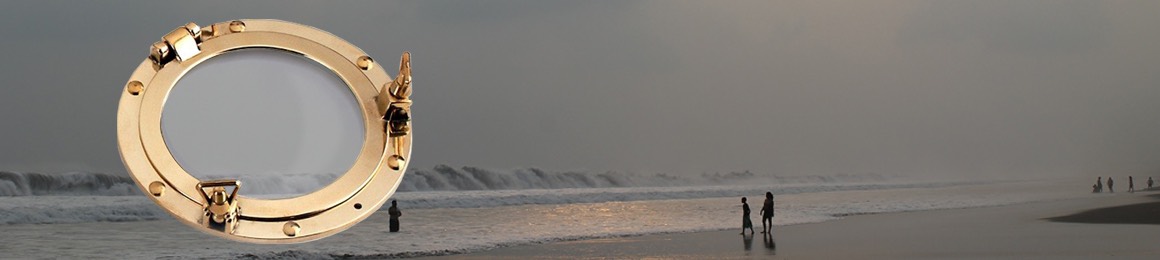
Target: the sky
pixel 943 88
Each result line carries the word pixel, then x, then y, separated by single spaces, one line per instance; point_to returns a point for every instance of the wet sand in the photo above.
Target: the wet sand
pixel 1121 226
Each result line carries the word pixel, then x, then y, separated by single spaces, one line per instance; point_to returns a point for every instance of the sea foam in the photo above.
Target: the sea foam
pixel 438 178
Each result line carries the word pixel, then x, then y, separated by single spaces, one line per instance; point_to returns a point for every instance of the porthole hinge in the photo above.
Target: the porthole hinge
pixel 179 44
pixel 183 42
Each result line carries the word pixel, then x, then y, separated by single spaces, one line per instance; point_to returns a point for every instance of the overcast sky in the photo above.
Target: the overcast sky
pixel 986 88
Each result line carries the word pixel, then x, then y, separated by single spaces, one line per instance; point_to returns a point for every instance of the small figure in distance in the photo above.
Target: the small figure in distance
pixel 745 222
pixel 1131 184
pixel 1110 189
pixel 767 214
pixel 395 214
pixel 1149 182
pixel 1099 184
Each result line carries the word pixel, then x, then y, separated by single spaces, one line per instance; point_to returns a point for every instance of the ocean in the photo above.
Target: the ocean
pixel 457 210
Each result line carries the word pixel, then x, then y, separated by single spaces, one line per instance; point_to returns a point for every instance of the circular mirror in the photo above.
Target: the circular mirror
pixel 280 122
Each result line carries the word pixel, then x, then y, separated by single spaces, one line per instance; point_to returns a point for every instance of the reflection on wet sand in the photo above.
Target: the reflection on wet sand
pixel 747 239
pixel 770 244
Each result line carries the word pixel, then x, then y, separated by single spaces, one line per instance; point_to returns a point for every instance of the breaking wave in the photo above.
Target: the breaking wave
pixel 447 178
pixel 438 178
pixel 71 183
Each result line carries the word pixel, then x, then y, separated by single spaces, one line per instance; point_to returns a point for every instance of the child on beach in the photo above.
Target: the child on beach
pixel 745 222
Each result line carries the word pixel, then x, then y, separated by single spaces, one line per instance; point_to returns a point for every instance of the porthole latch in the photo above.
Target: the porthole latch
pixel 221 208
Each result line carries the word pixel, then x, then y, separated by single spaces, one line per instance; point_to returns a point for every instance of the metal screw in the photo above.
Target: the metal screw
pixel 135 87
pixel 291 228
pixel 156 188
pixel 237 26
pixel 365 62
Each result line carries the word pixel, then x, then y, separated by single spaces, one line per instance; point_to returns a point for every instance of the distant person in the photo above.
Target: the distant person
pixel 1110 189
pixel 745 222
pixel 395 214
pixel 1131 185
pixel 1099 184
pixel 1149 182
pixel 767 214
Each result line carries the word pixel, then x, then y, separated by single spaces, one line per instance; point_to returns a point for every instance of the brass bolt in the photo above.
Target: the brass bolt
pixel 395 162
pixel 365 63
pixel 219 196
pixel 156 188
pixel 237 26
pixel 291 229
pixel 135 87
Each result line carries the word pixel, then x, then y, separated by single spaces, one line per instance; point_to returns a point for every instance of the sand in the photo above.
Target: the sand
pixel 1121 226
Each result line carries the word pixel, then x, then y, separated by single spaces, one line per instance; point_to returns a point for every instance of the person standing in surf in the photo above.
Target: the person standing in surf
pixel 1131 185
pixel 767 214
pixel 745 222
pixel 1149 182
pixel 395 214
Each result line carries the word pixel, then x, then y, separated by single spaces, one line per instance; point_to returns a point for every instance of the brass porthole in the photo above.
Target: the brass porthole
pixel 220 207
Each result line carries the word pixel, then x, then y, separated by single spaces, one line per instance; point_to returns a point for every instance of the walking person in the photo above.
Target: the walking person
pixel 1110 189
pixel 1149 182
pixel 1099 184
pixel 1131 184
pixel 767 214
pixel 745 221
pixel 395 214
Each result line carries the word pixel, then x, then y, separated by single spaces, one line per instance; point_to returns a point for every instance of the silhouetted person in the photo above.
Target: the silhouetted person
pixel 1110 189
pixel 767 214
pixel 1131 185
pixel 395 214
pixel 1099 184
pixel 745 222
pixel 1149 182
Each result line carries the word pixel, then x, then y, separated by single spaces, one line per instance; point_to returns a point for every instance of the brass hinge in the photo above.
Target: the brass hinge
pixel 179 44
pixel 182 43
pixel 221 210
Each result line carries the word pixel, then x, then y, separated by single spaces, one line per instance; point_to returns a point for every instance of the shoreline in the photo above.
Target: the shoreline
pixel 1108 225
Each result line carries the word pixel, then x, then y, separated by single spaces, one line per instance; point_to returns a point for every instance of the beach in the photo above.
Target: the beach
pixel 1102 226
pixel 947 219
